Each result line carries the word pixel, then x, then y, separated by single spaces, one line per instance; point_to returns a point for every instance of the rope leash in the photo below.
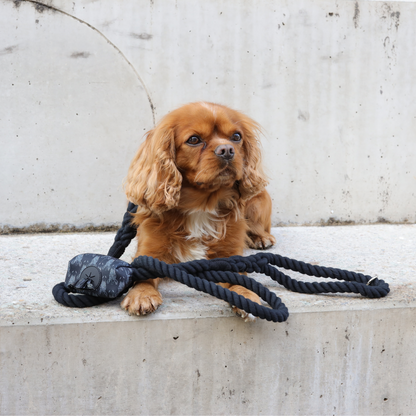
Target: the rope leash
pixel 98 279
pixel 125 234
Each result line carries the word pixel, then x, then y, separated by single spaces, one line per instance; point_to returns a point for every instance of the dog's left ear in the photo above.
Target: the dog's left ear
pixel 254 180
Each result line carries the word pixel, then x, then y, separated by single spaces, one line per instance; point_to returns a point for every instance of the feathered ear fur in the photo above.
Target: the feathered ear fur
pixel 153 181
pixel 254 180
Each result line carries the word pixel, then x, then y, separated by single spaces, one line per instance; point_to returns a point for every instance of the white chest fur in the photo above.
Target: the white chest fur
pixel 202 224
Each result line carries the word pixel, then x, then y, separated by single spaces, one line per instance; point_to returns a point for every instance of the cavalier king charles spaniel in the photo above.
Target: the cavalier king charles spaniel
pixel 200 189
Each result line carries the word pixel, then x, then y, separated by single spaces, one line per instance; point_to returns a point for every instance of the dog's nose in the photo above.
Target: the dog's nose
pixel 225 151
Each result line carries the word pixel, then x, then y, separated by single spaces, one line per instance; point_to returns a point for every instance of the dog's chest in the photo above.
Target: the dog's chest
pixel 202 225
pixel 201 228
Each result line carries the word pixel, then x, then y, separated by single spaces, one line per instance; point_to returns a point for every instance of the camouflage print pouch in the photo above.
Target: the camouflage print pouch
pixel 98 275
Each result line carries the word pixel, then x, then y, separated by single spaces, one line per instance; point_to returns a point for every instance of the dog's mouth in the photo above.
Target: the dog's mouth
pixel 214 176
pixel 222 178
pixel 226 175
pixel 227 170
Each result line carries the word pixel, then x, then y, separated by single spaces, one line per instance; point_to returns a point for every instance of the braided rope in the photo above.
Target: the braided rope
pixel 205 280
pixel 125 234
pixel 61 295
pixel 203 275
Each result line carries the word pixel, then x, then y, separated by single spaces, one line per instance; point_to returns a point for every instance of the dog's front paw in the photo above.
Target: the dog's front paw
pixel 261 242
pixel 142 299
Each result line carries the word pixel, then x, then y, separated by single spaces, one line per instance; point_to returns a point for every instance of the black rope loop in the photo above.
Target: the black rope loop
pixel 352 282
pixel 61 295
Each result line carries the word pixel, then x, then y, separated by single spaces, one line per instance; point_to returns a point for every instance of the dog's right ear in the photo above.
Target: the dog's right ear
pixel 153 180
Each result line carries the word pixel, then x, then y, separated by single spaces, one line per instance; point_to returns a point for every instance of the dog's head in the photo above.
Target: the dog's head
pixel 203 145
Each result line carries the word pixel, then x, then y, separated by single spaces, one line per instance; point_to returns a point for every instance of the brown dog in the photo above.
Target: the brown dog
pixel 200 190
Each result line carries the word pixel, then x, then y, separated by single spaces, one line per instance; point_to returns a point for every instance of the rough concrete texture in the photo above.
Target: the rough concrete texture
pixel 336 354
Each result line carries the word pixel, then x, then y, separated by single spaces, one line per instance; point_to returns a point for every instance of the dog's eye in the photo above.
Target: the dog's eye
pixel 194 140
pixel 236 137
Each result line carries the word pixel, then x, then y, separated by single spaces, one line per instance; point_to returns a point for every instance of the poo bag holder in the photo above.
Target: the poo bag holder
pixel 97 277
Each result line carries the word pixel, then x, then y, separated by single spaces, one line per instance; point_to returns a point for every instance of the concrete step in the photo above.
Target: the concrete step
pixel 336 354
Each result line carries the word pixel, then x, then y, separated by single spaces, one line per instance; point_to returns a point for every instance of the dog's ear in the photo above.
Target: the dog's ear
pixel 254 180
pixel 153 180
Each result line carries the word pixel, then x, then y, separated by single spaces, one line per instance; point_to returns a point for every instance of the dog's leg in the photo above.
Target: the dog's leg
pixel 248 294
pixel 258 218
pixel 144 298
pixel 232 245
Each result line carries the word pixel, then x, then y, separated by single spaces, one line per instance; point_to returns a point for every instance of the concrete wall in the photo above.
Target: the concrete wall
pixel 333 363
pixel 331 82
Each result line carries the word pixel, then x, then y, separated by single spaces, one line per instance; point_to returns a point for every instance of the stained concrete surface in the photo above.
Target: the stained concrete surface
pixel 336 354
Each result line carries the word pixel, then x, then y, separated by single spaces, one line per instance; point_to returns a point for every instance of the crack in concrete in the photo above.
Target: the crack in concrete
pixel 39 6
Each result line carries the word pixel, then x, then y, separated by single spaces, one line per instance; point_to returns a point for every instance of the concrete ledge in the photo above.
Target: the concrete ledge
pixel 335 354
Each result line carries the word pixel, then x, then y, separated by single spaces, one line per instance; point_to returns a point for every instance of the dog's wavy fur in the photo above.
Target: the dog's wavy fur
pixel 200 189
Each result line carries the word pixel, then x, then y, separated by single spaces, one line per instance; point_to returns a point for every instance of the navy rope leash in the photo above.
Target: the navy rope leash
pixel 125 234
pixel 87 272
